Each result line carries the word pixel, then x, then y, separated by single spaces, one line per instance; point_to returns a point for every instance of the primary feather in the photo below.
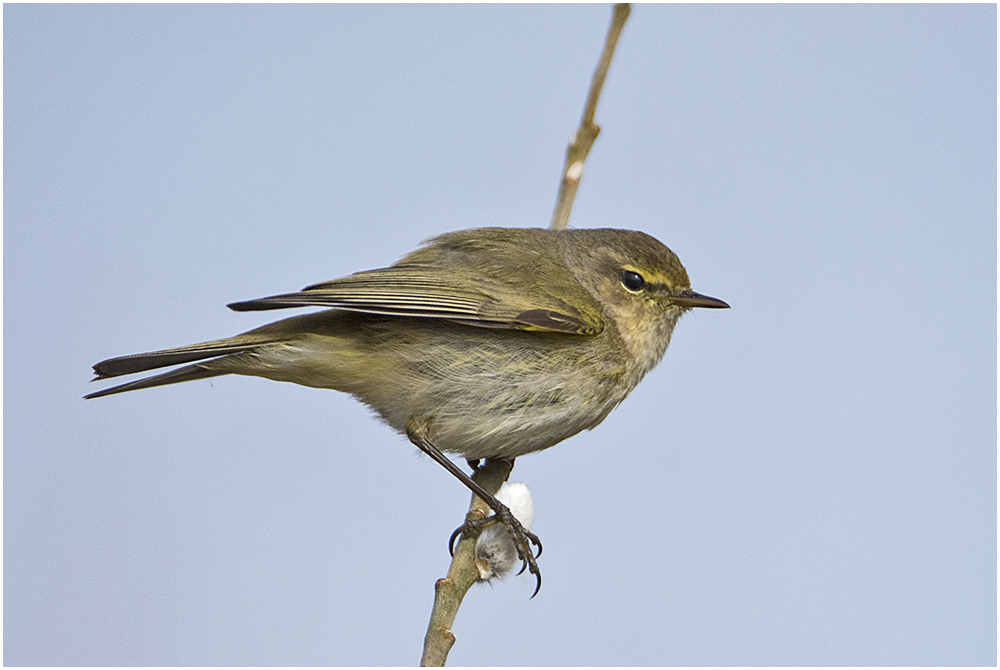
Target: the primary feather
pixel 475 283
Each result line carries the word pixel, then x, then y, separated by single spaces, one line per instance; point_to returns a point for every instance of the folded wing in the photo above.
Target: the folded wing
pixel 439 293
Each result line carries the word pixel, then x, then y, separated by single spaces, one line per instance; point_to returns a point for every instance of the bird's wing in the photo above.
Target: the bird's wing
pixel 441 293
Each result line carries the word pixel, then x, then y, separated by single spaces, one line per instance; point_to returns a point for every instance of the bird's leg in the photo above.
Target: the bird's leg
pixel 523 538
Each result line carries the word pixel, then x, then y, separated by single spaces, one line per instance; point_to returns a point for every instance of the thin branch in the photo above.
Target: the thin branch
pixel 584 137
pixel 462 574
pixel 449 591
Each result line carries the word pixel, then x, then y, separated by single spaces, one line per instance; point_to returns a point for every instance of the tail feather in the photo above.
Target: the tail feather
pixel 126 365
pixel 185 374
pixel 230 355
pixel 221 352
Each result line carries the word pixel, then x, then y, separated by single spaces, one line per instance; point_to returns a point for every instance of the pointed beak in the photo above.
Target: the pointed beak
pixel 689 298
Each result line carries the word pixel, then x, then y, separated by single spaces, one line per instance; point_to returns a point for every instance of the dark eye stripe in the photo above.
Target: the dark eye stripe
pixel 633 281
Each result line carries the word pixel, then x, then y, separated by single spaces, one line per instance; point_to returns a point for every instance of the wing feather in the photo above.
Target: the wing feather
pixel 438 293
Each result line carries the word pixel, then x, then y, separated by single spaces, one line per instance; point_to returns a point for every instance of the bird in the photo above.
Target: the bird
pixel 490 343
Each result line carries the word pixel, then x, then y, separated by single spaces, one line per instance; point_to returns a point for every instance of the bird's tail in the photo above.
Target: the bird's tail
pixel 220 351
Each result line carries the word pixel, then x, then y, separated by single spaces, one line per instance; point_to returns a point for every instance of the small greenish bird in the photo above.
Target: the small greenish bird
pixel 490 343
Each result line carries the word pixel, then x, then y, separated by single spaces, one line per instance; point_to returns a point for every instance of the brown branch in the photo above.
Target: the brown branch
pixel 583 139
pixel 462 574
pixel 449 591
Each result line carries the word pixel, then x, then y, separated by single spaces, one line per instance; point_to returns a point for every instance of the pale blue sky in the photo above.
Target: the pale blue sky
pixel 808 478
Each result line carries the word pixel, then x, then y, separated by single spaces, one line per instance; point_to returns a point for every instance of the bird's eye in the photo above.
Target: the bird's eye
pixel 633 281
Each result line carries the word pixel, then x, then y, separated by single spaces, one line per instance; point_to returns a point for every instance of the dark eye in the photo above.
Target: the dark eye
pixel 633 281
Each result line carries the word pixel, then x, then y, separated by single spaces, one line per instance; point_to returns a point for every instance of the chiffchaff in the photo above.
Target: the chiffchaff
pixel 489 343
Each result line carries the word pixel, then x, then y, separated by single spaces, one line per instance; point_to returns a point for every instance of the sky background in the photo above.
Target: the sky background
pixel 808 478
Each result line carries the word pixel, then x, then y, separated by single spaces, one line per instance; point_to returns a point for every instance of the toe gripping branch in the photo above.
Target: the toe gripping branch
pixel 523 538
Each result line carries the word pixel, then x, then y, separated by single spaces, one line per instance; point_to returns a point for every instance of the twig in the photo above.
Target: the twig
pixel 583 139
pixel 449 591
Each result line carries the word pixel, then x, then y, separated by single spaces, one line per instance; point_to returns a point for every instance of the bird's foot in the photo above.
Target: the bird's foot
pixel 524 539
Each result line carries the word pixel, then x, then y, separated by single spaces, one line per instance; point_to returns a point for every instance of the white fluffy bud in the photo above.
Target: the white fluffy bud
pixel 496 555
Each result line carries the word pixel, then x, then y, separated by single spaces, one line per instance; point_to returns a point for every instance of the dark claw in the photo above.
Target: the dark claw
pixel 523 539
pixel 469 526
pixel 451 540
